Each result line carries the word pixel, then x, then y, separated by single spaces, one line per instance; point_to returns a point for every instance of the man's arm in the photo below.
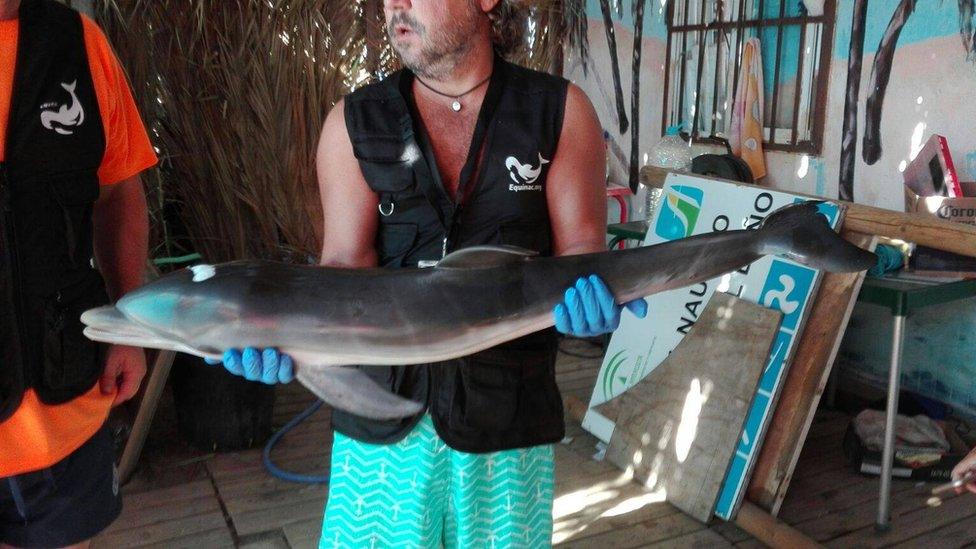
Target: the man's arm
pixel 575 187
pixel 348 204
pixel 576 194
pixel 121 238
pixel 121 234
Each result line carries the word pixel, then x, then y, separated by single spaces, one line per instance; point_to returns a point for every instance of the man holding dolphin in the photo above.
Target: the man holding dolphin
pixel 459 149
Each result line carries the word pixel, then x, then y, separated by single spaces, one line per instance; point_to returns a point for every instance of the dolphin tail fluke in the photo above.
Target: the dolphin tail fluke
pixel 70 88
pixel 799 232
pixel 351 390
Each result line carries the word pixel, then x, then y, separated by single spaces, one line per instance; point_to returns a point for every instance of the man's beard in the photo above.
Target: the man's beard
pixel 438 53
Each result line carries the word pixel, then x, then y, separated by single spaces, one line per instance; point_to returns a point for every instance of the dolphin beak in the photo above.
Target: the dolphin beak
pixel 109 320
pixel 108 325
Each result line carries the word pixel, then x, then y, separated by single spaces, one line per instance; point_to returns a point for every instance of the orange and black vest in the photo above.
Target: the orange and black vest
pixel 504 397
pixel 48 187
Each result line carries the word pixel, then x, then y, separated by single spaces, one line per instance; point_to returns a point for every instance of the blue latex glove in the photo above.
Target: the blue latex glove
pixel 268 366
pixel 589 309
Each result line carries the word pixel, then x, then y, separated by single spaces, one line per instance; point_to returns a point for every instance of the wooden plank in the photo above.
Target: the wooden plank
pixel 304 534
pixel 701 539
pixel 215 539
pixel 678 428
pixel 811 464
pixel 570 463
pixel 180 492
pixel 140 516
pixel 767 529
pixel 654 530
pixel 751 544
pixel 268 499
pixel 921 229
pixel 261 484
pixel 842 522
pixel 263 520
pixel 805 382
pixel 588 374
pixel 730 532
pixel 274 539
pixel 801 506
pixel 824 482
pixel 905 526
pixel 230 468
pixel 957 534
pixel 163 531
pixel 596 505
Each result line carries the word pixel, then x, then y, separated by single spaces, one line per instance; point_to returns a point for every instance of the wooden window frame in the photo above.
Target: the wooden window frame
pixel 812 146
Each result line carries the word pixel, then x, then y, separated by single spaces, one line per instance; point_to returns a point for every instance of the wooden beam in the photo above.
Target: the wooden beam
pixel 804 383
pixel 926 230
pixel 770 530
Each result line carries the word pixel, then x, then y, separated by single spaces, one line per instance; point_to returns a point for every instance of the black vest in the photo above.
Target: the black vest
pixel 48 186
pixel 501 398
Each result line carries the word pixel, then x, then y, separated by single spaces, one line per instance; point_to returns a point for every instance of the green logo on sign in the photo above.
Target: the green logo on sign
pixel 612 377
pixel 679 212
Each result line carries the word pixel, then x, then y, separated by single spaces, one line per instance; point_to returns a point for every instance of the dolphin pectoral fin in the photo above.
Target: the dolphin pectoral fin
pixel 480 257
pixel 351 390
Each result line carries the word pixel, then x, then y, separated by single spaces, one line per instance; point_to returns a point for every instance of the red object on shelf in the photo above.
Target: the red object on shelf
pixel 618 193
pixel 932 172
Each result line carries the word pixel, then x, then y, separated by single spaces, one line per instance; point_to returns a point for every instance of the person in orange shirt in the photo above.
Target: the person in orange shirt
pixel 72 146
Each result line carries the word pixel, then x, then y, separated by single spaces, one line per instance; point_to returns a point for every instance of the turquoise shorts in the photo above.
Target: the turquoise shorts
pixel 421 493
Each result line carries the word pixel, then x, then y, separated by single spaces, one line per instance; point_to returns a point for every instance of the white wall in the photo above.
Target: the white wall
pixel 932 90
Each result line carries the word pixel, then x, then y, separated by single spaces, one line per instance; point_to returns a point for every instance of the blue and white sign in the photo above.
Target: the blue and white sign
pixel 691 206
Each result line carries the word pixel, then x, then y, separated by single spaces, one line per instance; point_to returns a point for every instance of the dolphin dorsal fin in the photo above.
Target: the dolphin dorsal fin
pixel 480 257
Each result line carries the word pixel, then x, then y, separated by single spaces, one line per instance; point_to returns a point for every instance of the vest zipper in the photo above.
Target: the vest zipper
pixel 10 250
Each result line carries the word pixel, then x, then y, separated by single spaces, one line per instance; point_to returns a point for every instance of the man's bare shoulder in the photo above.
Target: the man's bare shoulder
pixel 579 114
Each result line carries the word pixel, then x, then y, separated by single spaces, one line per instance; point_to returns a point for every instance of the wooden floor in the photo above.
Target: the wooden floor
pixel 181 497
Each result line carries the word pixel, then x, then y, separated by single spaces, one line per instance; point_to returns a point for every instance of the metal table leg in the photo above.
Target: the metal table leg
pixel 887 459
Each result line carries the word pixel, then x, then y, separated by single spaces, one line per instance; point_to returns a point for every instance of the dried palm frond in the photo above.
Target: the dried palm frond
pixel 235 93
pixel 241 89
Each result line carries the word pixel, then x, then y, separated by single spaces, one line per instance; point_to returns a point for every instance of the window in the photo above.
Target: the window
pixel 704 51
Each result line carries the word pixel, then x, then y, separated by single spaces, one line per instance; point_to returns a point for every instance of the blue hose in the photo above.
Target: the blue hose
pixel 288 475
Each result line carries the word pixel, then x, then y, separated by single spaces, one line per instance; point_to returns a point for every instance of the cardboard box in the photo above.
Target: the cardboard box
pixel 958 210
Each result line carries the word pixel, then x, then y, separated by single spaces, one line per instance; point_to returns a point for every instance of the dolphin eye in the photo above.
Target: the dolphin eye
pixel 202 272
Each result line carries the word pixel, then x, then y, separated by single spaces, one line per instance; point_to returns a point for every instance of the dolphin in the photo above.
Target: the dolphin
pixel 475 298
pixel 73 115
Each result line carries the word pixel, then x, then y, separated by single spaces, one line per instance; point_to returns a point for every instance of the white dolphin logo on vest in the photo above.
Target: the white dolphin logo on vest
pixel 526 172
pixel 66 115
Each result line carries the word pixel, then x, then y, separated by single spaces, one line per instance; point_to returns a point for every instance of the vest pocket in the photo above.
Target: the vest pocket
pixel 394 241
pixel 489 384
pixel 383 163
pixel 74 200
pixel 71 362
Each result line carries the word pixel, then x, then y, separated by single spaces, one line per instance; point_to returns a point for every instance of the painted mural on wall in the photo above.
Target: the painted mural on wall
pixel 901 69
pixel 880 75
